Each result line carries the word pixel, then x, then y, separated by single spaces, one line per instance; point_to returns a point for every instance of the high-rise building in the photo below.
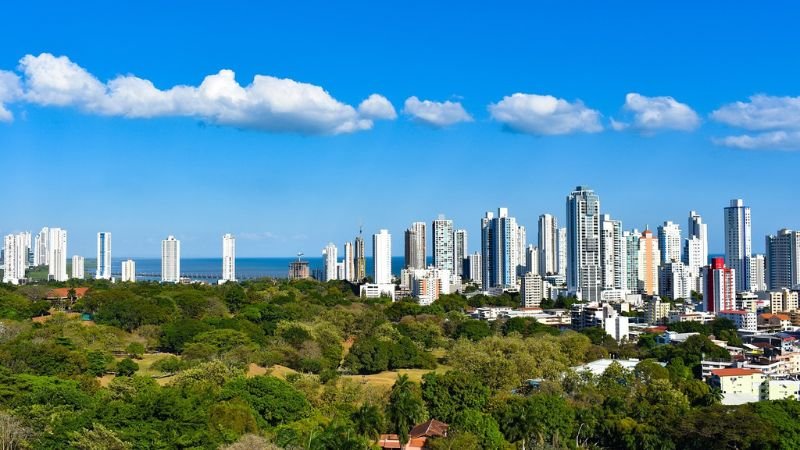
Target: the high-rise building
pixel 349 262
pixel 170 260
pixel 522 245
pixel 461 251
pixel 416 248
pixel 299 270
pixel 103 256
pixel 738 242
pixel 77 267
pixel 612 254
pixel 548 245
pixel 475 267
pixel 330 256
pixel 758 273
pixel 584 277
pixel 531 260
pixel 382 257
pixel 28 248
pixel 631 239
pixel 129 271
pixel 499 249
pixel 783 259
pixel 649 258
pixel 14 258
pixel 360 258
pixel 57 254
pixel 719 290
pixel 699 231
pixel 562 251
pixel 427 284
pixel 669 242
pixel 443 250
pixel 228 258
pixel 40 253
pixel 531 290
pixel 675 281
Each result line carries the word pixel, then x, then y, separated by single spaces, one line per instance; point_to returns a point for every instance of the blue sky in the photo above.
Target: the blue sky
pixel 292 181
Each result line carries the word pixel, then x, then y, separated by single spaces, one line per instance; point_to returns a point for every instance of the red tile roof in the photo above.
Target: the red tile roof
pixel 64 292
pixel 734 372
pixel 431 428
pixel 767 316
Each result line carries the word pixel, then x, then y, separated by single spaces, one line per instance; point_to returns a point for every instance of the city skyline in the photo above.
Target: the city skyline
pixel 278 182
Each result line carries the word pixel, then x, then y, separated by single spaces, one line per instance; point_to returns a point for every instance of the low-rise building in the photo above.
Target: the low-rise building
pixel 743 320
pixel 769 322
pixel 375 290
pixel 780 389
pixel 694 316
pixel 738 386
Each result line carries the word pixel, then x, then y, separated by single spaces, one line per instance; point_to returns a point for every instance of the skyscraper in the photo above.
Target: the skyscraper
pixel 475 267
pixel 415 247
pixel 583 244
pixel 738 242
pixel 698 230
pixel 170 260
pixel 631 239
pixel 77 267
pixel 669 242
pixel 360 258
pixel 349 262
pixel 103 256
pixel 530 257
pixel 15 254
pixel 129 271
pixel 758 273
pixel 548 245
pixel 719 291
pixel 562 251
pixel 522 245
pixel 382 257
pixel 612 254
pixel 330 256
pixel 649 258
pixel 783 259
pixel 228 258
pixel 443 251
pixel 57 254
pixel 499 250
pixel 41 254
pixel 461 251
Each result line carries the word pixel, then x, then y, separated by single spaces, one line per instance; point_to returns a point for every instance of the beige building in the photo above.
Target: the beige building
pixel 738 386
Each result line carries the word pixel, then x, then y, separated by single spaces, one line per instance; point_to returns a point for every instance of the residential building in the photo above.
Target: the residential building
pixel 758 273
pixel 443 250
pixel 770 322
pixel 427 284
pixel 783 259
pixel 675 281
pixel 360 258
pixel 228 258
pixel 584 278
pixel 562 251
pixel 738 245
pixel 585 315
pixel 649 259
pixel 738 386
pixel 612 254
pixel 376 290
pixel 382 257
pixel 522 245
pixel 40 254
pixel 77 267
pixel 299 270
pixel 531 260
pixel 719 283
pixel 631 239
pixel 531 290
pixel 669 242
pixel 548 245
pixel 129 271
pixel 499 249
pixel 170 260
pixel 14 258
pixel 349 262
pixel 330 256
pixel 697 232
pixel 743 320
pixel 656 311
pixel 103 271
pixel 782 300
pixel 475 267
pixel 57 254
pixel 415 248
pixel 461 252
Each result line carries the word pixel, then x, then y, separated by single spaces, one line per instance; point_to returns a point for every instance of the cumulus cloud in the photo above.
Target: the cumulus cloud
pixel 545 115
pixel 10 90
pixel 437 114
pixel 267 103
pixel 651 114
pixel 377 107
pixel 776 121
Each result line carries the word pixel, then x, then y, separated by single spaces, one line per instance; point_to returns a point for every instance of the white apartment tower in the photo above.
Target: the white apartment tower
pixel 531 290
pixel 57 254
pixel 530 256
pixel 228 258
pixel 382 257
pixel 499 248
pixel 349 262
pixel 15 257
pixel 562 251
pixel 415 246
pixel 475 267
pixel 330 256
pixel 738 249
pixel 170 260
pixel 443 250
pixel 40 252
pixel 77 267
pixel 612 254
pixel 103 256
pixel 548 244
pixel 461 251
pixel 129 271
pixel 669 242
pixel 584 278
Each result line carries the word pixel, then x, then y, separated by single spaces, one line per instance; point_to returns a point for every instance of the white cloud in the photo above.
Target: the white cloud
pixel 437 114
pixel 545 114
pixel 775 140
pixel 651 114
pixel 762 112
pixel 10 90
pixel 377 107
pixel 268 103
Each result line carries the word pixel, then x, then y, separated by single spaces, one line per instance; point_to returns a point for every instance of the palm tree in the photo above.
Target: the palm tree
pixel 405 407
pixel 368 421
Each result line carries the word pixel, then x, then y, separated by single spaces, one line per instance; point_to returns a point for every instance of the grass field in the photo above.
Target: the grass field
pixel 145 369
pixel 384 379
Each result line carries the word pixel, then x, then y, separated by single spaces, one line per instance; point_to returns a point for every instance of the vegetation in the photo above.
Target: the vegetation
pixel 272 364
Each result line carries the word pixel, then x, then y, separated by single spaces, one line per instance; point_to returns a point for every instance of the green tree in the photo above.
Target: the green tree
pixel 126 368
pixel 368 421
pixel 405 408
pixel 97 438
pixel 275 400
pixel 135 350
pixel 447 394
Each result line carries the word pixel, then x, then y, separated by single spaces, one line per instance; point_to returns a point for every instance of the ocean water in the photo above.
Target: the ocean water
pixel 211 268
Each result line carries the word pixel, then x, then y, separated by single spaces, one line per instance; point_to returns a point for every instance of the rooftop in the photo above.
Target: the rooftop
pixel 734 372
